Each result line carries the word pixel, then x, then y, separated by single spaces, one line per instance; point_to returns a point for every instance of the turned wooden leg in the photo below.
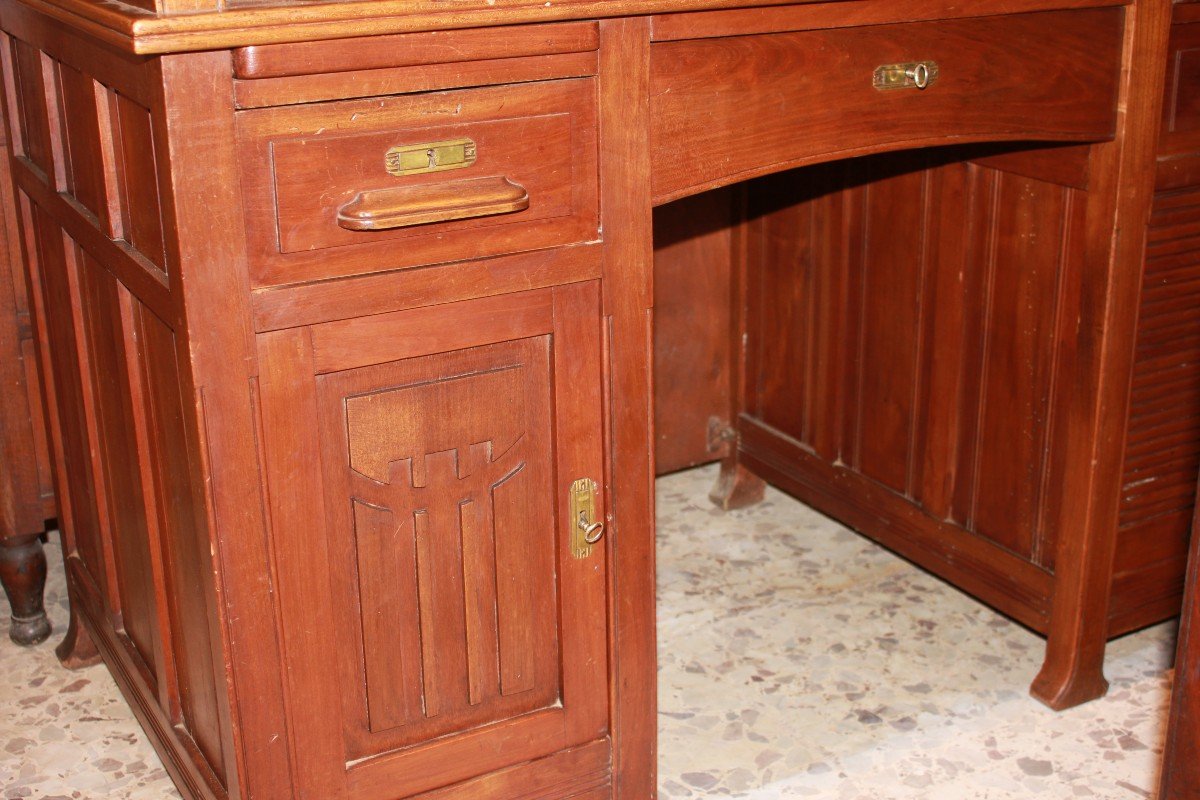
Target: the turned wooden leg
pixel 23 573
pixel 77 650
pixel 736 487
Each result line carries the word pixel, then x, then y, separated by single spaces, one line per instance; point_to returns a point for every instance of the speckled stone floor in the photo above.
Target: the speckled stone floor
pixel 796 660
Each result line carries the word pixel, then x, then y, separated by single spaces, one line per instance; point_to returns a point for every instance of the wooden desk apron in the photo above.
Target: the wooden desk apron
pixel 348 343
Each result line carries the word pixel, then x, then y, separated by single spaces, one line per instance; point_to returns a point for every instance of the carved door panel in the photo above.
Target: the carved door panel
pixel 437 625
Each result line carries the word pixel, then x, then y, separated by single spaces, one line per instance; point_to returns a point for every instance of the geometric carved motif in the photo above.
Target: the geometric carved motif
pixel 450 483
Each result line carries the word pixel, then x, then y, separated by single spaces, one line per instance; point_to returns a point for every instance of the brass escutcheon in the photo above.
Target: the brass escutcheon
pixel 586 529
pixel 417 159
pixel 910 75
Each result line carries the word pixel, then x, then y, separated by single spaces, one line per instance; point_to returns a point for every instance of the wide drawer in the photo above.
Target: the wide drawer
pixel 351 187
pixel 729 108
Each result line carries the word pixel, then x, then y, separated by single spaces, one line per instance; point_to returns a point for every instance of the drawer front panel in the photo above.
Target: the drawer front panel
pixel 329 192
pixel 727 109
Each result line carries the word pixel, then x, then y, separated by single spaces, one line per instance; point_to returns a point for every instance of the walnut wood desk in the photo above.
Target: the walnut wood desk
pixel 349 339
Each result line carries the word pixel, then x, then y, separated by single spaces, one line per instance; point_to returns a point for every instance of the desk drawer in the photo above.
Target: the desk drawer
pixel 731 108
pixel 359 186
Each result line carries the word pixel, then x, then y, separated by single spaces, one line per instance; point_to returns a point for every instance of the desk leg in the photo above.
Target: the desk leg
pixel 1120 197
pixel 23 573
pixel 628 299
pixel 76 650
pixel 736 487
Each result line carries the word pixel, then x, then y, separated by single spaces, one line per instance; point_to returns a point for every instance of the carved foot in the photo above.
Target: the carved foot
pixel 77 650
pixel 736 487
pixel 23 573
pixel 1066 685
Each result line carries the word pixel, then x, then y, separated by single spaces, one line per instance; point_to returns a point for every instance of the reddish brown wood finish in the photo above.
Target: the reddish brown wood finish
pixel 491 641
pixel 413 50
pixel 290 90
pixel 114 234
pixel 26 488
pixel 112 326
pixel 961 401
pixel 628 299
pixel 1181 754
pixel 890 408
pixel 831 109
pixel 302 164
pixel 693 257
pixel 315 490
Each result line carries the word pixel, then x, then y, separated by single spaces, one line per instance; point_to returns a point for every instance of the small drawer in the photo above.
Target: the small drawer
pixel 352 187
pixel 725 109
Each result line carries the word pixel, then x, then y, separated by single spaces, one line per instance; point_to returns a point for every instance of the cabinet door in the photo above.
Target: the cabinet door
pixel 438 624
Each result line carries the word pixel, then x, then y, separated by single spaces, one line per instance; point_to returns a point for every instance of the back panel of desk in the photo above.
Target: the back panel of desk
pixel 931 298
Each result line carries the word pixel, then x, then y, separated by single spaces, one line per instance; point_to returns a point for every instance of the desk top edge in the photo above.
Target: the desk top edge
pixel 138 31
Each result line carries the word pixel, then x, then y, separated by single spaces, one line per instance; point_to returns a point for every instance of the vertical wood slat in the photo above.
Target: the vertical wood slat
pixel 295 497
pixel 34 141
pixel 627 303
pixel 520 642
pixel 1074 272
pixel 59 278
pixel 936 443
pixel 125 322
pixel 140 181
pixel 693 253
pixel 387 553
pixel 110 392
pixel 829 351
pixel 428 596
pixel 84 177
pixel 891 313
pixel 113 217
pixel 27 221
pixel 781 278
pixel 857 200
pixel 194 676
pixel 54 120
pixel 576 352
pixel 1017 360
pixel 977 281
pixel 479 525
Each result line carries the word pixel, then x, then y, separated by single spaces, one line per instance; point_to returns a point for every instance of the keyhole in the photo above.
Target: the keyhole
pixel 432 157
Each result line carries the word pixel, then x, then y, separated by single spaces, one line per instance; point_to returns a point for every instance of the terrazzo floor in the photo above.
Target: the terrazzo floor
pixel 796 660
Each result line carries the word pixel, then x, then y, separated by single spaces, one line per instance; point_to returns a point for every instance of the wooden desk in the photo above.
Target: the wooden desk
pixel 349 343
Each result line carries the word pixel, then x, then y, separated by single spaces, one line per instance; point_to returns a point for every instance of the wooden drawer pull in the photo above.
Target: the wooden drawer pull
pixel 402 206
